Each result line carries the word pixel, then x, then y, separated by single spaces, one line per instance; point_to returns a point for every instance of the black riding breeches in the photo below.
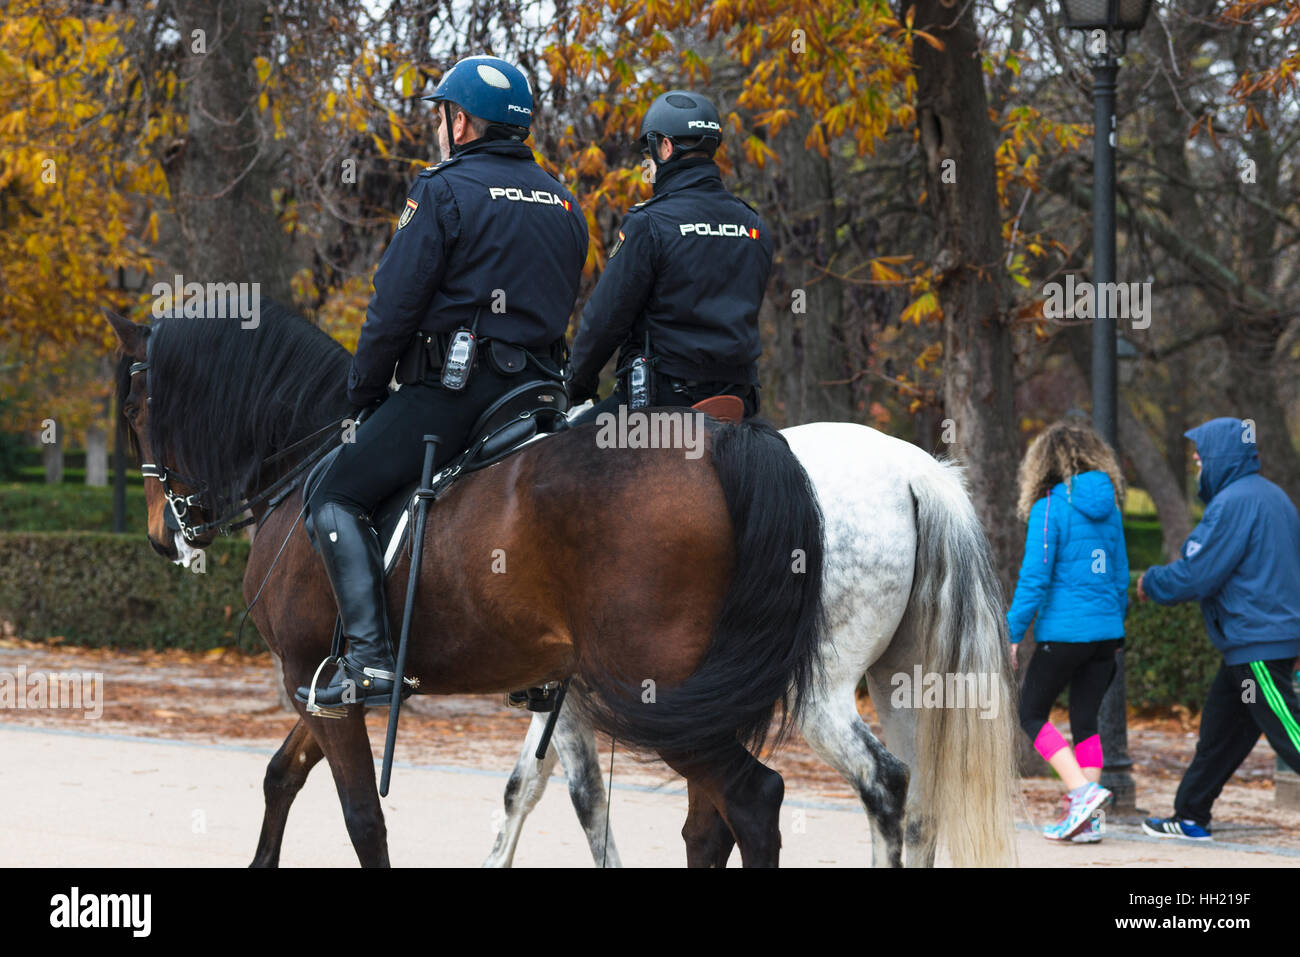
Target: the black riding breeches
pixel 388 450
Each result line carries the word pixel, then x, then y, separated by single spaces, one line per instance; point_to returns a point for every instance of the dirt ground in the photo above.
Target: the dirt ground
pixel 225 696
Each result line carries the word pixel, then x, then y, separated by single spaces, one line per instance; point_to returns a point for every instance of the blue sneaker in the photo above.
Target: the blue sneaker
pixel 1185 828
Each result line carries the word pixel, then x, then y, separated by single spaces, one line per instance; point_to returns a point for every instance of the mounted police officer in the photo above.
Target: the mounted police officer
pixel 680 293
pixel 478 282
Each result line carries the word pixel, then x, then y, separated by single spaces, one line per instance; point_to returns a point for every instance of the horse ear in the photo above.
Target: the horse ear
pixel 130 334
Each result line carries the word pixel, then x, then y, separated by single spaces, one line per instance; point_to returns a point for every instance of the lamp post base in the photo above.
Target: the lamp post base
pixel 1119 781
pixel 1112 724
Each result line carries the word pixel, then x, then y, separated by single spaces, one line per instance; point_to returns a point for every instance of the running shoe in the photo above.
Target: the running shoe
pixel 1088 835
pixel 1084 802
pixel 1185 828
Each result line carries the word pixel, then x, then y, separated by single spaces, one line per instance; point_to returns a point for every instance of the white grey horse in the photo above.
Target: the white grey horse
pixel 908 583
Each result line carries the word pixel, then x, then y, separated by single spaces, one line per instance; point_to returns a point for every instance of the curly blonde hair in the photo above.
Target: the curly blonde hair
pixel 1060 453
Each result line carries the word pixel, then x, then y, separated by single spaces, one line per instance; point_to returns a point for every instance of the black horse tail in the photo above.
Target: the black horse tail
pixel 765 648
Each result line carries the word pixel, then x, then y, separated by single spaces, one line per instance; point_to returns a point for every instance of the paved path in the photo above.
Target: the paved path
pixel 77 799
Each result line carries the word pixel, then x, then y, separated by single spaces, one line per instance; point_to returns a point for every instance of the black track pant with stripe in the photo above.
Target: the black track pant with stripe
pixel 1244 701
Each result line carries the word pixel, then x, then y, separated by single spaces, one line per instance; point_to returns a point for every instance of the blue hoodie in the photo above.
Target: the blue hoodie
pixel 1243 561
pixel 1074 576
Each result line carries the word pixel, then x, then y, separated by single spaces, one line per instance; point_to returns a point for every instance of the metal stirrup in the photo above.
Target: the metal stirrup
pixel 312 707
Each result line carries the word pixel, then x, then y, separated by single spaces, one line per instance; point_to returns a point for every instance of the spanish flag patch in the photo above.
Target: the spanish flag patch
pixel 411 207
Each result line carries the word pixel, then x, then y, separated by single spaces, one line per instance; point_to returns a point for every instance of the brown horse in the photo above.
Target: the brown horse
pixel 683 591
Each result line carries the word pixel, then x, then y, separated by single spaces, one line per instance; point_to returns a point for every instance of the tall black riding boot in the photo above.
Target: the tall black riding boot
pixel 355 564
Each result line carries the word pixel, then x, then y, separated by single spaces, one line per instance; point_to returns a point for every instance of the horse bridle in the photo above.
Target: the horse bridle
pixel 178 506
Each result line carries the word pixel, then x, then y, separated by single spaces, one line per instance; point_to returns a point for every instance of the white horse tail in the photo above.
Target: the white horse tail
pixel 965 750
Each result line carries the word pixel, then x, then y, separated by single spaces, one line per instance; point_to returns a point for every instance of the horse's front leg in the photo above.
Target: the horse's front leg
pixel 285 776
pixel 346 746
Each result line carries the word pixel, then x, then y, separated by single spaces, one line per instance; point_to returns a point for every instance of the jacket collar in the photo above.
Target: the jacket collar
pixel 497 148
pixel 687 173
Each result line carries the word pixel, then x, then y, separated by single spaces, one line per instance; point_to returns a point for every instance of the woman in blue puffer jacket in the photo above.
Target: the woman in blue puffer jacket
pixel 1073 586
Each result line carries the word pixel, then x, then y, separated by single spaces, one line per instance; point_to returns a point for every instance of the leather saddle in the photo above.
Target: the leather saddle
pixel 725 408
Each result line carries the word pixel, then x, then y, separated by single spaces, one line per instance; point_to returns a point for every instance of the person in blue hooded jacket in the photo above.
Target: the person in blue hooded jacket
pixel 1242 563
pixel 1073 586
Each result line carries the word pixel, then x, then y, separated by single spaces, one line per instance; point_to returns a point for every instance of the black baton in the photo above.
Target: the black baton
pixel 423 495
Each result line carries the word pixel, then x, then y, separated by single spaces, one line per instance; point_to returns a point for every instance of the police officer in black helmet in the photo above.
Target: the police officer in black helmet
pixel 488 246
pixel 680 293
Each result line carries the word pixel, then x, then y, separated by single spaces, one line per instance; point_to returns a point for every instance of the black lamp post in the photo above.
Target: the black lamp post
pixel 1106 25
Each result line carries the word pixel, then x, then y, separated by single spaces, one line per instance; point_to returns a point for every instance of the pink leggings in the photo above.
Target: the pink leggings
pixel 1087 752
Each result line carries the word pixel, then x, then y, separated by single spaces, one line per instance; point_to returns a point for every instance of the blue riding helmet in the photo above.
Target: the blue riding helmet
pixel 488 87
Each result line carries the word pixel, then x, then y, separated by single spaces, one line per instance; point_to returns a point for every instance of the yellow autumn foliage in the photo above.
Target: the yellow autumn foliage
pixel 78 181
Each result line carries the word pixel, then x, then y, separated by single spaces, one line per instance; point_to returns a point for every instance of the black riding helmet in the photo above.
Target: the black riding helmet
pixel 689 120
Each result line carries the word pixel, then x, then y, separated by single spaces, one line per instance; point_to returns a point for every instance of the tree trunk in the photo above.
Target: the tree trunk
pixel 97 433
pixel 52 457
pixel 96 456
pixel 1153 472
pixel 811 338
pixel 222 179
pixel 953 117
pixel 1175 410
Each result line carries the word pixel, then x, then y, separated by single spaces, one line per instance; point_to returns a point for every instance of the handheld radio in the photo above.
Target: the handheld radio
pixel 460 358
pixel 638 378
pixel 459 361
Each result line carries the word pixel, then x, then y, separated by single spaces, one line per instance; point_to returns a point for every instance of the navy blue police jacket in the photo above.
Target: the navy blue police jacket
pixel 690 268
pixel 487 232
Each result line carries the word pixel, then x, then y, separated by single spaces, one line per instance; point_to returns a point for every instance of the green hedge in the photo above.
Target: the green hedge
pixel 1145 544
pixel 73 476
pixel 114 590
pixel 53 508
pixel 1168 658
pixel 33 456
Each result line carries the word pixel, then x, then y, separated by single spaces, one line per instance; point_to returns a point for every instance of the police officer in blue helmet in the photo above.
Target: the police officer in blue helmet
pixel 475 287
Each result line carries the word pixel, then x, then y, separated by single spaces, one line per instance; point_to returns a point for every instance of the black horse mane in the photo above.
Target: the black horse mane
pixel 223 399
